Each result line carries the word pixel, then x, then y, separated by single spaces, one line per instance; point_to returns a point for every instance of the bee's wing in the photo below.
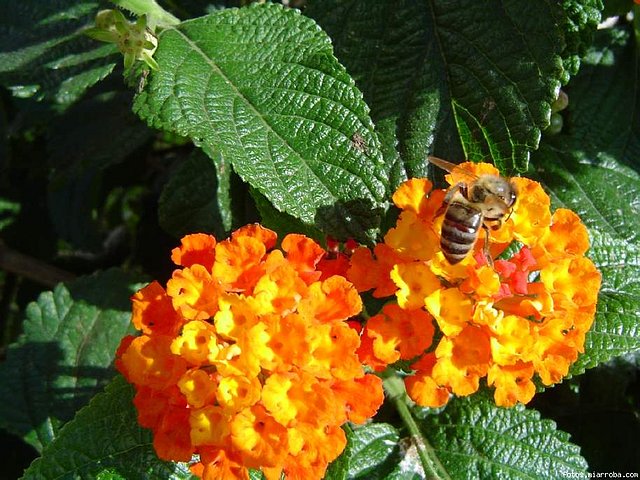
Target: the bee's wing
pixel 452 168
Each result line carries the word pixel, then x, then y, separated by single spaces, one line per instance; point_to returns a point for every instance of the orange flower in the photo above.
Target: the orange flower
pixel 367 272
pixel 153 311
pixel 462 360
pixel 195 249
pixel 258 438
pixel 360 408
pixel 247 359
pixel 507 318
pixel 399 334
pixel 421 386
pixel 219 464
pixel 148 361
pixel 303 254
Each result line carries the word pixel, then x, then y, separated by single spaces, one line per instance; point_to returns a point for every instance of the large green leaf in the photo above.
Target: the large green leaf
pixel 456 78
pixel 592 168
pixel 474 439
pixel 44 52
pixel 65 355
pixel 261 85
pixel 104 440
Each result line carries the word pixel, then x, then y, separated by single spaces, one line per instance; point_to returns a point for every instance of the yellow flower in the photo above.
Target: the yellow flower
pixel 415 281
pixel 194 292
pixel 198 387
pixel 198 343
pixel 209 426
pixel 259 438
pixel 513 383
pixel 451 308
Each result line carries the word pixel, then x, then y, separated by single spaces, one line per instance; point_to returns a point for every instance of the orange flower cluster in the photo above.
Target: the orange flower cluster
pixel 521 316
pixel 246 358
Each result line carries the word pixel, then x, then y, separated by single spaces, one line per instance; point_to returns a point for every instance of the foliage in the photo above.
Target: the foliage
pixel 306 120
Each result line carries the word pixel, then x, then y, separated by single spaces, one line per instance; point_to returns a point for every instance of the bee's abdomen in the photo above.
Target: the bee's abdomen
pixel 459 231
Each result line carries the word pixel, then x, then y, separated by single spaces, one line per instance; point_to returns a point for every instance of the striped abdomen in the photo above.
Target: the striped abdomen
pixel 459 230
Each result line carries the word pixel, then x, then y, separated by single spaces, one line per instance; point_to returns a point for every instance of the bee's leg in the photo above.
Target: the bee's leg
pixel 458 187
pixel 485 247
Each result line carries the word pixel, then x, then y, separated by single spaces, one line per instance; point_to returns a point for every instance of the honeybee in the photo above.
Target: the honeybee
pixel 483 201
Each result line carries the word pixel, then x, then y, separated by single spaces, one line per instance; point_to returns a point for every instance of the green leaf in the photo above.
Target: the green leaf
pixel 104 440
pixel 196 197
pixel 65 354
pixel 78 143
pixel 593 169
pixel 4 134
pixel 9 211
pixel 372 452
pixel 473 438
pixel 579 24
pixel 45 53
pixel 598 187
pixel 80 149
pixel 261 85
pixel 603 415
pixel 458 79
pixel 255 474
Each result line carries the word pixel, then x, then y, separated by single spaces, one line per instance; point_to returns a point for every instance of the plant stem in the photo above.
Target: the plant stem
pixel 431 465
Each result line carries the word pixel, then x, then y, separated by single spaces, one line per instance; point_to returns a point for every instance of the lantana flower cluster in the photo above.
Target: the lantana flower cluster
pixel 246 360
pixel 523 313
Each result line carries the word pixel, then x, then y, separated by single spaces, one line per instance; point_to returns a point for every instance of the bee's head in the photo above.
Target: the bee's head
pixel 496 186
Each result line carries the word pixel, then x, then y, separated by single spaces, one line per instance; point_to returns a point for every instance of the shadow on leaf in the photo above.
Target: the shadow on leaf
pixel 358 219
pixel 40 393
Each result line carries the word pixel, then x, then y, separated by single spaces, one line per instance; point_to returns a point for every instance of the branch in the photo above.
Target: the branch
pixel 32 268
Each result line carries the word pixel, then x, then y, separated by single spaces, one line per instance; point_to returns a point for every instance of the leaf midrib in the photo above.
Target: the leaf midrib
pixel 247 102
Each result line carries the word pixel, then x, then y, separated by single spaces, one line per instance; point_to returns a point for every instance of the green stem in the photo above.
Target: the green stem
pixel 431 465
pixel 156 15
pixel 636 23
